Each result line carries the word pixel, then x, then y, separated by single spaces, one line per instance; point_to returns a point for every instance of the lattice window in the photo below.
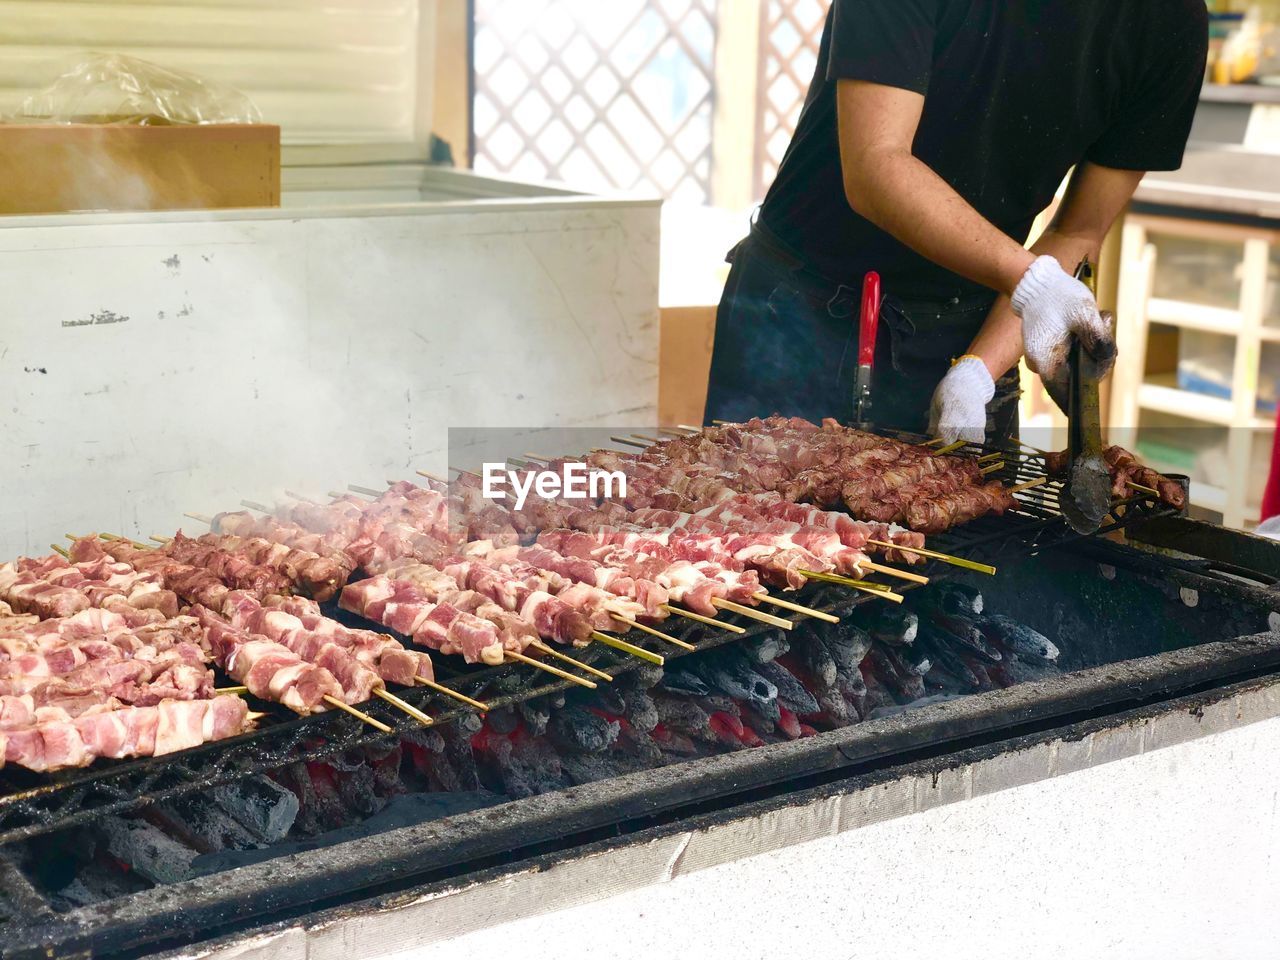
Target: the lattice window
pixel 602 94
pixel 790 32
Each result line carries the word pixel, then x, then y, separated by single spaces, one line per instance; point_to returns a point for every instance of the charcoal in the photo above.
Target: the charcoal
pixel 894 626
pixel 683 716
pixel 385 764
pixel 877 694
pixel 640 710
pixel 847 644
pixel 897 678
pixel 1019 639
pixel 100 881
pixel 978 669
pixel 541 761
pixel 644 676
pixel 535 714
pixel 791 692
pixel 952 597
pixel 461 759
pixel 731 673
pixel 576 729
pixel 834 710
pixel 852 684
pixel 147 849
pixel 266 808
pixel 768 709
pixel 673 742
pixel 610 701
pixel 502 720
pixel 641 745
pixel 963 633
pixel 202 825
pixel 812 654
pixel 946 658
pixel 467 723
pixel 760 723
pixel 679 679
pixel 496 758
pixel 357 787
pixel 765 647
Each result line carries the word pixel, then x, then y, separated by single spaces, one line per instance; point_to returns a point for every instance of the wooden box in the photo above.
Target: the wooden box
pixel 59 168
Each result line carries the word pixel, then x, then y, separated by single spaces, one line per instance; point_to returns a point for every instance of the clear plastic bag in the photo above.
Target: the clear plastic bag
pixel 113 88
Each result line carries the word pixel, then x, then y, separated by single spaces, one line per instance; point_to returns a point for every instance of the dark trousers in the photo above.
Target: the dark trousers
pixel 787 342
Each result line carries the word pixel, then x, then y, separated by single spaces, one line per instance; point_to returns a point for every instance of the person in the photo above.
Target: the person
pixel 933 134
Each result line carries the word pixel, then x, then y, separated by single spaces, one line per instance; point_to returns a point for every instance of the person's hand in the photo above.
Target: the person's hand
pixel 959 410
pixel 1054 306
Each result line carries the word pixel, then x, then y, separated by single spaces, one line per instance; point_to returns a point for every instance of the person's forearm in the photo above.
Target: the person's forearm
pixel 999 342
pixel 901 195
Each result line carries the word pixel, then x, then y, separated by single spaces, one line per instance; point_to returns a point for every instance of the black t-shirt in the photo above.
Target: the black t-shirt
pixel 1016 93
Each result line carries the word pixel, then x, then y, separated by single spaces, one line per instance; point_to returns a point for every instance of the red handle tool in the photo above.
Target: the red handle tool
pixel 868 326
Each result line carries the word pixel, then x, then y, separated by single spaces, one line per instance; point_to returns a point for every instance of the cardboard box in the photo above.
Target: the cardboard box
pixel 59 168
pixel 684 363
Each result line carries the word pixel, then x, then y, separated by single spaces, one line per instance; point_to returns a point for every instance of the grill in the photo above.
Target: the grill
pixel 31 805
pixel 1189 649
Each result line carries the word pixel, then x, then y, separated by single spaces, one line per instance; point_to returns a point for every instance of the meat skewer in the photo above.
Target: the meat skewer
pixel 169 726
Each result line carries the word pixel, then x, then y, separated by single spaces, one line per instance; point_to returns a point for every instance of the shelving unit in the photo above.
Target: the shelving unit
pixel 1145 300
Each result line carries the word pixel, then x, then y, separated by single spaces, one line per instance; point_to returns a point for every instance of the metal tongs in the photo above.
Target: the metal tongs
pixel 1086 498
pixel 868 328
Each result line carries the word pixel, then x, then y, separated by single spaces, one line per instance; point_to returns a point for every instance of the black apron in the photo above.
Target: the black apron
pixel 787 342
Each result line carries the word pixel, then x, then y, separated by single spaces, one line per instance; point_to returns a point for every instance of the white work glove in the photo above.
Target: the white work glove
pixel 959 410
pixel 1053 306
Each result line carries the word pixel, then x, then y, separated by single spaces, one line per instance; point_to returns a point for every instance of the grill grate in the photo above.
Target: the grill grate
pixel 34 804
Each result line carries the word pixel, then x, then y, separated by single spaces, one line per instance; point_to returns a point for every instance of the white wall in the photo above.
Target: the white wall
pixel 266 351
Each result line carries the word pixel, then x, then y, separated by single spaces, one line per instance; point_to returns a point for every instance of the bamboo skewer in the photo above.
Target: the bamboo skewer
pixel 586 667
pixel 252 505
pixel 200 518
pixel 432 476
pixel 253 716
pixel 949 448
pixel 645 628
pixel 448 692
pixel 994 468
pixel 61 551
pixel 990 456
pixel 401 705
pixel 895 572
pixel 878 589
pixel 773 601
pixel 685 426
pixel 536 457
pixel 237 691
pixel 1143 489
pixel 699 618
pixel 1038 481
pixel 346 708
pixel 641 436
pixel 630 443
pixel 367 491
pixel 935 555
pixel 628 648
pixel 300 498
pixel 752 614
pixel 676 433
pixel 548 668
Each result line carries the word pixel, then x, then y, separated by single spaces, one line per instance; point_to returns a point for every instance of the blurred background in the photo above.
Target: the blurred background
pixel 694 101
